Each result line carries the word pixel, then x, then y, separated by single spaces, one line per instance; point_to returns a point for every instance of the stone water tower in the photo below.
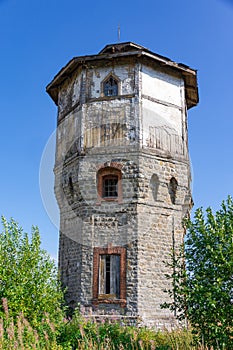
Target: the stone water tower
pixel 122 178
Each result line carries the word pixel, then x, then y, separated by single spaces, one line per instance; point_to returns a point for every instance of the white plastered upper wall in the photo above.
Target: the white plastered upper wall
pixel 163 102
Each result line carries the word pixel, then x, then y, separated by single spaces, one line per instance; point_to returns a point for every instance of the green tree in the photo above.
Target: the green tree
pixel 203 291
pixel 28 275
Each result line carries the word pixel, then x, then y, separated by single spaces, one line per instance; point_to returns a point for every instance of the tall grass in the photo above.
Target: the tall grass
pixel 85 334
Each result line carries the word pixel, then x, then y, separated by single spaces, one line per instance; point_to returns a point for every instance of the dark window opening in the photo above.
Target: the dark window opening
pixel 111 87
pixel 110 186
pixel 172 188
pixel 71 187
pixel 109 276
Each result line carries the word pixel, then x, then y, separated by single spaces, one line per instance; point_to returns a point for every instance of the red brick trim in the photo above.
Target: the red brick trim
pixel 103 251
pixel 111 164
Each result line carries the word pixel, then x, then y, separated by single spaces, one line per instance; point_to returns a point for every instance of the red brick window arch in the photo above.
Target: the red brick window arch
pixel 109 184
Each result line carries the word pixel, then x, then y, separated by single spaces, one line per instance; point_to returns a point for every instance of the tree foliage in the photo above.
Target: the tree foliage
pixel 203 291
pixel 28 276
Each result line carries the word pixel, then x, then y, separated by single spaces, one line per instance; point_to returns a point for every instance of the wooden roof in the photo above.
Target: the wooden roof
pixel 127 49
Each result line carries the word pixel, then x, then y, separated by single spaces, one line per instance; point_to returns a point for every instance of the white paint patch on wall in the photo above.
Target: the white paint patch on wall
pixel 77 89
pixel 161 116
pixel 161 86
pixel 162 127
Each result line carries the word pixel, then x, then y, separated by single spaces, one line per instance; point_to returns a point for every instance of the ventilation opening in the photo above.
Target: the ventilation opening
pixel 71 187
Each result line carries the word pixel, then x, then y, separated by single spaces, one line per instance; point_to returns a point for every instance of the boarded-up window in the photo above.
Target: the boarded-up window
pixel 109 276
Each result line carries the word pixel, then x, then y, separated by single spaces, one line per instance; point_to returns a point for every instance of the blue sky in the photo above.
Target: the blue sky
pixel 37 38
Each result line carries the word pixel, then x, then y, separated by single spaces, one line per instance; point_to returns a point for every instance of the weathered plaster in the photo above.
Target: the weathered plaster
pixel 142 132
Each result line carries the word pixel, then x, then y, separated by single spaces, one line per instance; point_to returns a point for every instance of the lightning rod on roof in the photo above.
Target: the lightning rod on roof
pixel 119 33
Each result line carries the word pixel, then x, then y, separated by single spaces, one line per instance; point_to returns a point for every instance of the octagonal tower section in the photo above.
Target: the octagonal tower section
pixel 122 178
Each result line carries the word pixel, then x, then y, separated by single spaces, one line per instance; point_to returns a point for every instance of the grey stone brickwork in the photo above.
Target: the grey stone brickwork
pixel 142 134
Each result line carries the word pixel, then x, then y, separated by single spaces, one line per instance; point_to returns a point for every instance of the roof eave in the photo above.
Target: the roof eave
pixel 66 71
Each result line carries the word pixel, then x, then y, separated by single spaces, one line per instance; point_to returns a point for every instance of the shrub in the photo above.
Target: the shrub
pixel 28 276
pixel 203 291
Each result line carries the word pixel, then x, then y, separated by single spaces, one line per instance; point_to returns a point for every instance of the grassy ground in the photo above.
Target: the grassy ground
pixel 80 333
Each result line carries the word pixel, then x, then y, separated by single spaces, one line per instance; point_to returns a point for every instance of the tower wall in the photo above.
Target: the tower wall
pixel 159 231
pixel 137 138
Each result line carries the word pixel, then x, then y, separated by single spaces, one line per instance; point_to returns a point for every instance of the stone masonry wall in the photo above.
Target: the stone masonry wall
pixel 162 232
pixel 142 132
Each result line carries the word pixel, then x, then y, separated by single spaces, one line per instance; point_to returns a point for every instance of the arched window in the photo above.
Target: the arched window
pixel 110 86
pixel 172 188
pixel 109 186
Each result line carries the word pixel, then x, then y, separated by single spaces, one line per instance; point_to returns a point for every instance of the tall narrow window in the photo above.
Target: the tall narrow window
pixel 109 276
pixel 172 188
pixel 71 187
pixel 111 87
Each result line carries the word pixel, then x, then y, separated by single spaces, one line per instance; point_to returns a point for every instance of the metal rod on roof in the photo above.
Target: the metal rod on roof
pixel 119 33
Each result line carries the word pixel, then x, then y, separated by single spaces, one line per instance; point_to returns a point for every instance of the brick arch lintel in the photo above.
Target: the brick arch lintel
pixel 109 164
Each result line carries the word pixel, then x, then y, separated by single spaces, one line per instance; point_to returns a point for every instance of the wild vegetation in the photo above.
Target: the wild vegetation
pixel 33 316
pixel 202 278
pixel 28 276
pixel 82 333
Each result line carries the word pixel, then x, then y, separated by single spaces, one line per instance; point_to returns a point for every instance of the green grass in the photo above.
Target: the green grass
pixel 83 334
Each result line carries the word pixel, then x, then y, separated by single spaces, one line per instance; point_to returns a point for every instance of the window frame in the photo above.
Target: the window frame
pixel 99 298
pixel 101 176
pixel 105 81
pixel 106 186
pixel 109 276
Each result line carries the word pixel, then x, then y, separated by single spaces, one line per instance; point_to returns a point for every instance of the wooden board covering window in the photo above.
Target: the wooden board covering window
pixel 110 289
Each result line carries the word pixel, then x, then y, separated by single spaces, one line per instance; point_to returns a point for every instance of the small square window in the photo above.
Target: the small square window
pixel 110 186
